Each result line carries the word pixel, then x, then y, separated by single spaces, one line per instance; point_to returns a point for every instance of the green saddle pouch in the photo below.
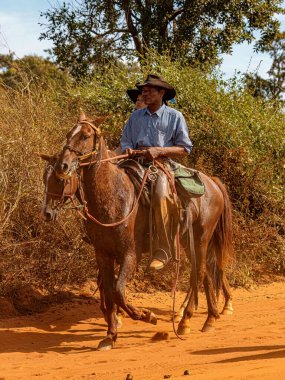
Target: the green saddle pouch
pixel 188 182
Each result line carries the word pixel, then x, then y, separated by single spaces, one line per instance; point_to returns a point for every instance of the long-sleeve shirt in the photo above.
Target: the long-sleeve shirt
pixel 164 128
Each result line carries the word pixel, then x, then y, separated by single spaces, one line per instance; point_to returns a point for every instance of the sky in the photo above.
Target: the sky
pixel 19 33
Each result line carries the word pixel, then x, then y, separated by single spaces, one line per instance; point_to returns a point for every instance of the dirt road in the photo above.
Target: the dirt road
pixel 61 343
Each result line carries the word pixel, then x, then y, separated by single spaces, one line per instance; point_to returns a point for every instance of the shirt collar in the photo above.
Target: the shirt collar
pixel 158 112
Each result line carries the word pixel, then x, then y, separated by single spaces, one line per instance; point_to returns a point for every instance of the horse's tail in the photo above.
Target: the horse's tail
pixel 221 245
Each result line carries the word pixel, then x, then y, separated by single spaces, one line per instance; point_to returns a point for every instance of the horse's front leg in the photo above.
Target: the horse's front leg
pixel 119 314
pixel 102 296
pixel 106 269
pixel 127 268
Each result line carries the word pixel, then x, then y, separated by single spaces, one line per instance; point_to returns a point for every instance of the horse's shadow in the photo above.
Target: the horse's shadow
pixel 75 325
pixel 275 352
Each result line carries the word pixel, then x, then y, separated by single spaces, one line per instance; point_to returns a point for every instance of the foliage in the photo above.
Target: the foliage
pixel 274 87
pixel 236 137
pixel 18 73
pixel 91 32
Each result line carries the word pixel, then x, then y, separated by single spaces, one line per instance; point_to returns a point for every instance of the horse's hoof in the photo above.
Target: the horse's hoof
pixel 208 327
pixel 228 308
pixel 177 317
pixel 183 330
pixel 152 318
pixel 149 317
pixel 227 311
pixel 105 344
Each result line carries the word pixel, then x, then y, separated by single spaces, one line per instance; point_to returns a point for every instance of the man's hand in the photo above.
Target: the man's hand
pixel 130 152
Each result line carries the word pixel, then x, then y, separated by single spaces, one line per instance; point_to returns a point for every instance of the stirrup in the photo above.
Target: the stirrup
pixel 159 260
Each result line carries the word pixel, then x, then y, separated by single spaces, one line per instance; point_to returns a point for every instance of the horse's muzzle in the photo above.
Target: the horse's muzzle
pixel 49 215
pixel 64 171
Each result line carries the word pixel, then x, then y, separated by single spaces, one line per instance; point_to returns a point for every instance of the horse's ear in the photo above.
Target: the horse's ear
pixel 99 120
pixel 102 149
pixel 45 157
pixel 82 116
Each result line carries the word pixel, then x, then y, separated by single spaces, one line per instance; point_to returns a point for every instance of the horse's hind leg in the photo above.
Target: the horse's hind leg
pixel 228 306
pixel 197 273
pixel 127 269
pixel 213 313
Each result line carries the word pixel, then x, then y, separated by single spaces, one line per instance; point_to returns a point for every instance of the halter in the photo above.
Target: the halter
pixel 60 197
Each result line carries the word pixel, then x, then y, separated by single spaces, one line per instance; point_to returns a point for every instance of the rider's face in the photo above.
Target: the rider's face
pixel 152 95
pixel 140 103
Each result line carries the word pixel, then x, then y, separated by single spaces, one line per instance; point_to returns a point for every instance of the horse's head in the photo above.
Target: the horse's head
pixel 57 190
pixel 81 140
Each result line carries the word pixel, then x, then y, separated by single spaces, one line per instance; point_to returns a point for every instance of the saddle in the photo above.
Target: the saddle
pixel 188 182
pixel 136 173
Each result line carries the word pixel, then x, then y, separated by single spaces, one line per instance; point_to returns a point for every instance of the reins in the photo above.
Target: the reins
pixel 145 177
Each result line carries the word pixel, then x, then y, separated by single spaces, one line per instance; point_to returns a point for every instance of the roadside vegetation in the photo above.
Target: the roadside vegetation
pixel 237 137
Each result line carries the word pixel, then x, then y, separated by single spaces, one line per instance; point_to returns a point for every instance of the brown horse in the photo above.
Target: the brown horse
pixel 111 196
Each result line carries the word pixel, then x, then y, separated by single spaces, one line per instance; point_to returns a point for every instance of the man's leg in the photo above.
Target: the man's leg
pixel 166 220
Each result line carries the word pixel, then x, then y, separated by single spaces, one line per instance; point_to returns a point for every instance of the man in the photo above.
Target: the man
pixel 162 132
pixel 136 97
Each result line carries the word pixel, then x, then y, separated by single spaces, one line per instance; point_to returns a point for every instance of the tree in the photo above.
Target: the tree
pixel 89 32
pixel 277 70
pixel 20 73
pixel 272 88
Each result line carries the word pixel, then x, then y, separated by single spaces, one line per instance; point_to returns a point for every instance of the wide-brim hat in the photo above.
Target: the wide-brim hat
pixel 133 94
pixel 157 81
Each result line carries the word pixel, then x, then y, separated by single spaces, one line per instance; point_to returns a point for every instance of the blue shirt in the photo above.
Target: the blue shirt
pixel 164 128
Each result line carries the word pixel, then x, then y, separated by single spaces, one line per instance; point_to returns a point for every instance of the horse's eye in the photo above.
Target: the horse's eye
pixel 85 137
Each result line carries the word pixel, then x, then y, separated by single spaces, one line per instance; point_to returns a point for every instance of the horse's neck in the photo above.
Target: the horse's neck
pixel 100 180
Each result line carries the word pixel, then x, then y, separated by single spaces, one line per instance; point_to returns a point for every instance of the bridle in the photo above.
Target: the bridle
pixel 93 150
pixel 61 198
pixel 79 154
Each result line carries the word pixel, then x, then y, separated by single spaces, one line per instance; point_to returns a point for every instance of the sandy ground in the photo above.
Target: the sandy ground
pixel 61 343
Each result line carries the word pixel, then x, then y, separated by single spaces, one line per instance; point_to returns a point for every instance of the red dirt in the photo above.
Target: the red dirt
pixel 61 343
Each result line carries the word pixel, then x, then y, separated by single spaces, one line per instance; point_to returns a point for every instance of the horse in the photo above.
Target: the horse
pixel 112 202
